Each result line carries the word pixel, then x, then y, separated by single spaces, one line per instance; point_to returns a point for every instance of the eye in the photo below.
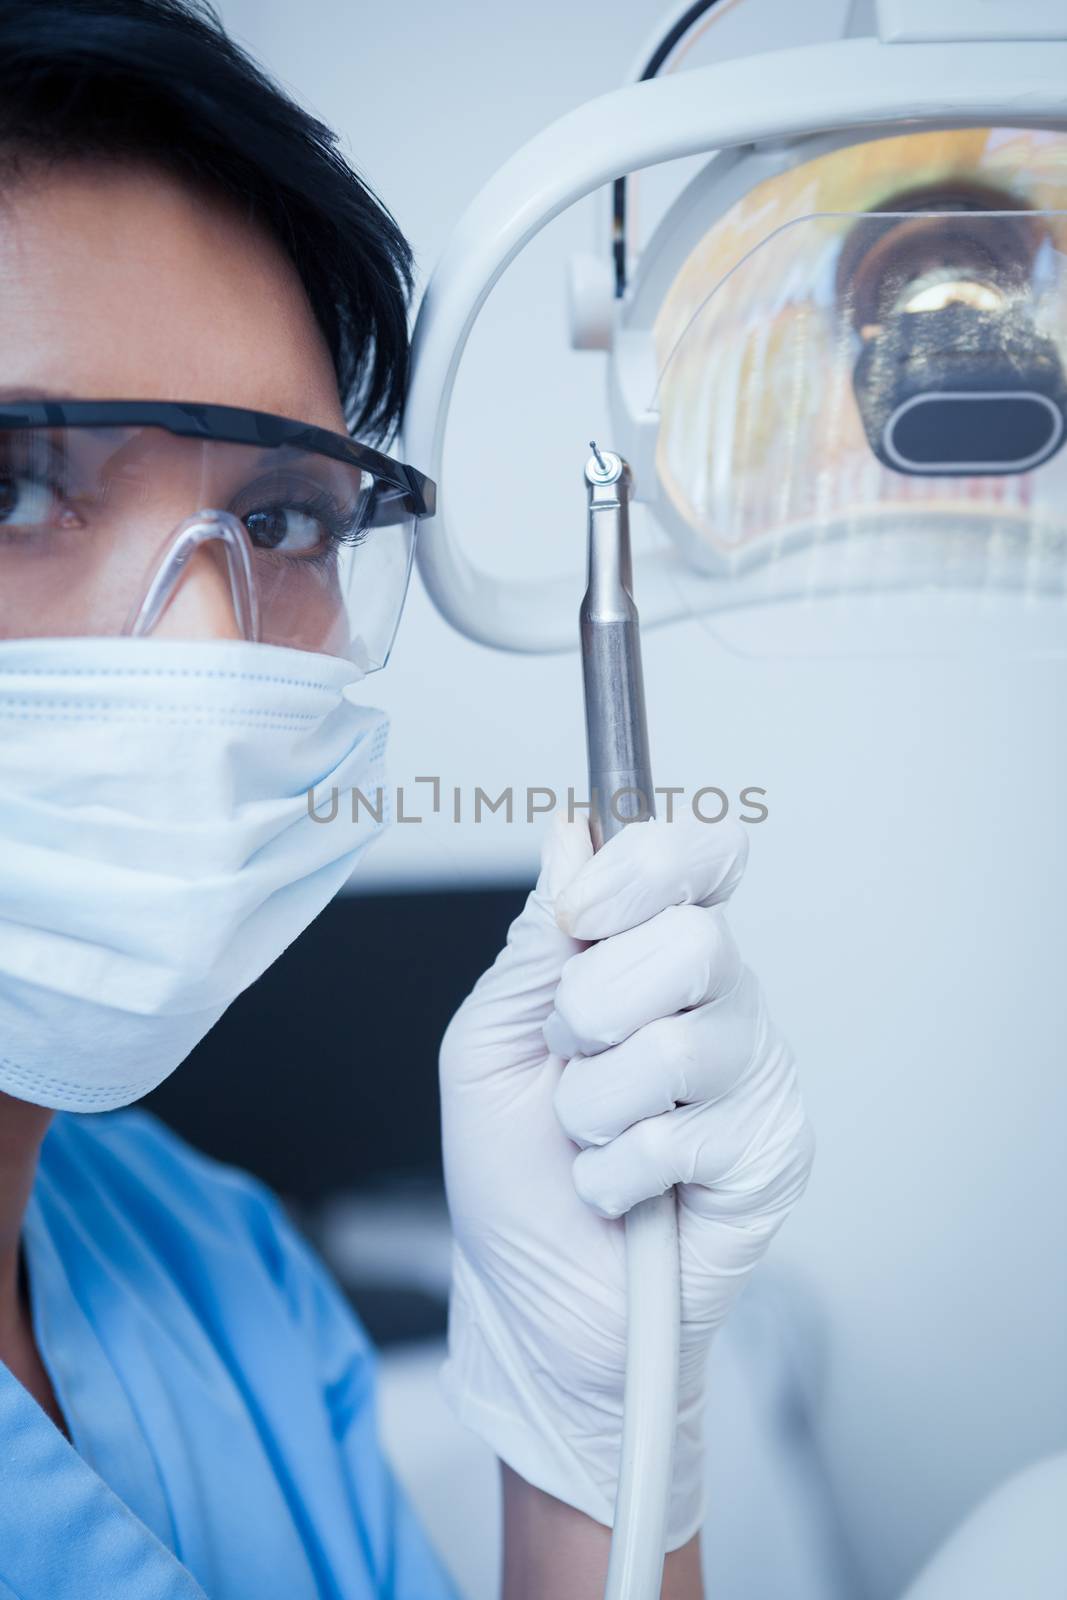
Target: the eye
pixel 285 528
pixel 25 502
pixel 293 513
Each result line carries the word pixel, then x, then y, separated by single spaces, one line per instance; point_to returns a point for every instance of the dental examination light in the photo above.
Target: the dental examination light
pixel 836 370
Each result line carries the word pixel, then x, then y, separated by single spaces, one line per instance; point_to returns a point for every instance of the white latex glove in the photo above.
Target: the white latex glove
pixel 576 1080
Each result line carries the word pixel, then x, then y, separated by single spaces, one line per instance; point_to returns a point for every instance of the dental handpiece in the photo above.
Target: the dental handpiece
pixel 616 726
pixel 620 778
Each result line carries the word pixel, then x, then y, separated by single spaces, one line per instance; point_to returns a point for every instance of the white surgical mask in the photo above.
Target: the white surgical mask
pixel 156 847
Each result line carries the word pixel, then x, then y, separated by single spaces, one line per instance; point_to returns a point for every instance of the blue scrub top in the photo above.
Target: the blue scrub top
pixel 218 1391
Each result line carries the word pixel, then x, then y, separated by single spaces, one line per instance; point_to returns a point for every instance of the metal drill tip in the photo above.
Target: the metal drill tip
pixel 595 448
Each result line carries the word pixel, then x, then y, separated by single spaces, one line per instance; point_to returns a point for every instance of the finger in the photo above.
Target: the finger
pixel 696 1056
pixel 650 866
pixel 680 959
pixel 645 1160
pixel 507 1008
pixel 746 1157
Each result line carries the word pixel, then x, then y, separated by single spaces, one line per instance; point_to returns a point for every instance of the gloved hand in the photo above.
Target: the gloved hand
pixel 576 1080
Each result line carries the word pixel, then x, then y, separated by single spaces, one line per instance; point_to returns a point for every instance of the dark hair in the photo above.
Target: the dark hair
pixel 159 80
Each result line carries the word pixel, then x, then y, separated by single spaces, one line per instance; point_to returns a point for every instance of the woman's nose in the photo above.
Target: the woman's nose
pixel 202 606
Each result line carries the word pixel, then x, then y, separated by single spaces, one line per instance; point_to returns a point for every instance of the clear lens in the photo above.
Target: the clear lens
pixel 863 389
pixel 88 515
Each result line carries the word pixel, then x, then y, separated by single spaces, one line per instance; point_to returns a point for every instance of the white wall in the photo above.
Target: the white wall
pixel 905 903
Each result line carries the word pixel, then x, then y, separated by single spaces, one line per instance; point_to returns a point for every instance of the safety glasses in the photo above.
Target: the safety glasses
pixel 108 506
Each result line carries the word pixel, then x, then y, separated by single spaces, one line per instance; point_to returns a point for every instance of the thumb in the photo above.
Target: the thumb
pixel 537 947
pixel 566 849
pixel 499 1024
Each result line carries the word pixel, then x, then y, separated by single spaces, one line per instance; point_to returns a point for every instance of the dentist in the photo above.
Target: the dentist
pixel 202 309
